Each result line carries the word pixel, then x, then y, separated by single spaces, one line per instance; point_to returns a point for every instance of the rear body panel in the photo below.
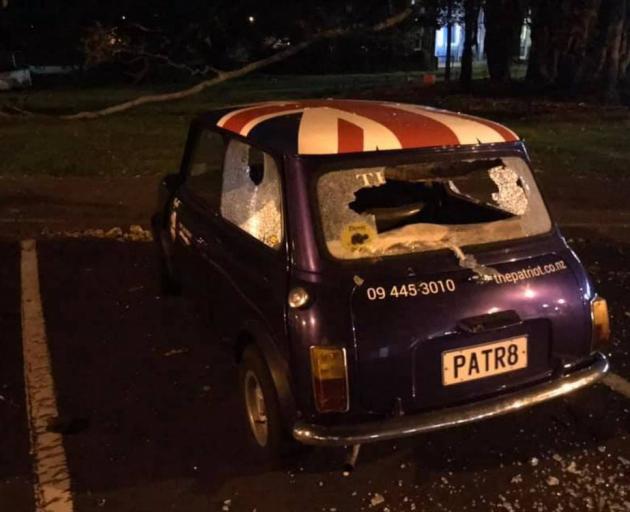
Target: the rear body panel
pixel 399 340
pixel 395 344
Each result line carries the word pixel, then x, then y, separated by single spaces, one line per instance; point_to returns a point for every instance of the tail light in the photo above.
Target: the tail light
pixel 601 322
pixel 330 378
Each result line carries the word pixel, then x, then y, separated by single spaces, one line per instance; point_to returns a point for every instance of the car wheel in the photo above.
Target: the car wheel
pixel 266 429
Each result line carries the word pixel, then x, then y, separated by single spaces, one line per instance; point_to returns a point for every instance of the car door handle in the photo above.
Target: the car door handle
pixel 201 243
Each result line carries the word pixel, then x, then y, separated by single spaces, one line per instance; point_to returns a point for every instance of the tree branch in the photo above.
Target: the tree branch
pixel 222 76
pixel 165 59
pixel 15 111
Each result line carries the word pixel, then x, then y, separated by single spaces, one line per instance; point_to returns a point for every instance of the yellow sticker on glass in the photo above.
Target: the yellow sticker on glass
pixel 357 235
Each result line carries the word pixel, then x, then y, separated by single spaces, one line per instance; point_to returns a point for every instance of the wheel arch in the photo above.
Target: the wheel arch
pixel 252 333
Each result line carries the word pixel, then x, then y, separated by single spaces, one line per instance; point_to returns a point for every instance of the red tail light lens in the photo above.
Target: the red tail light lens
pixel 330 379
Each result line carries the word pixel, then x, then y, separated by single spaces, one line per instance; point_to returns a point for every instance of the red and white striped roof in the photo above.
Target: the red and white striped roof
pixel 351 126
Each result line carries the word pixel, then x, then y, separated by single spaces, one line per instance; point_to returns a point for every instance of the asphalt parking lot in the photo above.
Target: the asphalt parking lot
pixel 149 418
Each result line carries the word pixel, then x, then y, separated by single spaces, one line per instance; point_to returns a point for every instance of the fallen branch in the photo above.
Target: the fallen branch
pixel 203 71
pixel 14 110
pixel 223 76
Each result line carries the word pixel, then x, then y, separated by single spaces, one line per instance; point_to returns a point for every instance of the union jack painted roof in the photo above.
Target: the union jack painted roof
pixel 322 127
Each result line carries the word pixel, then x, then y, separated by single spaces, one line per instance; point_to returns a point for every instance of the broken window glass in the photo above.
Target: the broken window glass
pixel 251 194
pixel 382 211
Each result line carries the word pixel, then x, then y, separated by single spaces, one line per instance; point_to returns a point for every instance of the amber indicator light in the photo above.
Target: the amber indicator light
pixel 601 322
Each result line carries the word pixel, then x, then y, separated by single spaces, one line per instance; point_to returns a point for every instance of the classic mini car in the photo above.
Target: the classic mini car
pixel 379 269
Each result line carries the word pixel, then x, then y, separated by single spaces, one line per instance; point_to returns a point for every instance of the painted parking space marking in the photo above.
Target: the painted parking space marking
pixel 617 383
pixel 52 480
pixel 594 224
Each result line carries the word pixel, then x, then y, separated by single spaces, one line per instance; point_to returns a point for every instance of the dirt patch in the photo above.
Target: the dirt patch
pixel 34 205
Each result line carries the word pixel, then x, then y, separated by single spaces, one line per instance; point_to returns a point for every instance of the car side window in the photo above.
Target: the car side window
pixel 206 164
pixel 251 197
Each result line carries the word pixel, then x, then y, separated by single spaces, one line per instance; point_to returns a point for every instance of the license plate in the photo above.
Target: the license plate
pixel 481 361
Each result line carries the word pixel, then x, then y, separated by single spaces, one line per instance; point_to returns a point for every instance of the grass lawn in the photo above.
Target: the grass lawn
pixel 566 138
pixel 588 147
pixel 146 140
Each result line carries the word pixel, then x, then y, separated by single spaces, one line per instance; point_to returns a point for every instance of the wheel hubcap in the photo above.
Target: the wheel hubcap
pixel 256 410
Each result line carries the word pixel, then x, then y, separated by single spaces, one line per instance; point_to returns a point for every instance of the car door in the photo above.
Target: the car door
pixel 193 218
pixel 251 239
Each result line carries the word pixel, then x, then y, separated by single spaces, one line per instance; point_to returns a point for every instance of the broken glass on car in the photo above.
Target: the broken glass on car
pixel 380 211
pixel 251 195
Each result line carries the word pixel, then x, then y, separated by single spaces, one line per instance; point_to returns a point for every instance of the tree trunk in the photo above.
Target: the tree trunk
pixel 503 21
pixel 541 68
pixel 471 18
pixel 624 64
pixel 612 69
pixel 577 42
pixel 581 46
pixel 449 39
pixel 549 19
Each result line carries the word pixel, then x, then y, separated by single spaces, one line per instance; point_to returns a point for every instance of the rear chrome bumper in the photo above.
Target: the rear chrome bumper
pixel 584 374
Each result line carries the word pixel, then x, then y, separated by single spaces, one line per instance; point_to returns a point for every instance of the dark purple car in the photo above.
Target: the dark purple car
pixel 380 269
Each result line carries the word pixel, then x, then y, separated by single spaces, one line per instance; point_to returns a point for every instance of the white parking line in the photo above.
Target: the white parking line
pixel 594 224
pixel 617 383
pixel 52 481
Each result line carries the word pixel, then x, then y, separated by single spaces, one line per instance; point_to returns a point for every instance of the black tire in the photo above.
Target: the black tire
pixel 169 285
pixel 278 442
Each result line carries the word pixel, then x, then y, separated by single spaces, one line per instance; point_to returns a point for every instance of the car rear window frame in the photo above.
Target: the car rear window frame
pixel 320 165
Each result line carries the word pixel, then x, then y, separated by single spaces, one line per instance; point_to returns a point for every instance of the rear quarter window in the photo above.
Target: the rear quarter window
pixel 206 166
pixel 251 195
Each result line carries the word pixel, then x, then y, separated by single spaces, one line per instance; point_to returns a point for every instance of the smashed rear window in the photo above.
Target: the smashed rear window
pixel 380 211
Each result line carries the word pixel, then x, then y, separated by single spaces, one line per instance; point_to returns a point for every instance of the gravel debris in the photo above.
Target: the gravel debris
pixel 376 500
pixel 572 468
pixel 552 481
pixel 175 351
pixel 134 233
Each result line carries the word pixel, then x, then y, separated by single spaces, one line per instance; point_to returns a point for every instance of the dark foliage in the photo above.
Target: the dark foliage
pixel 581 45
